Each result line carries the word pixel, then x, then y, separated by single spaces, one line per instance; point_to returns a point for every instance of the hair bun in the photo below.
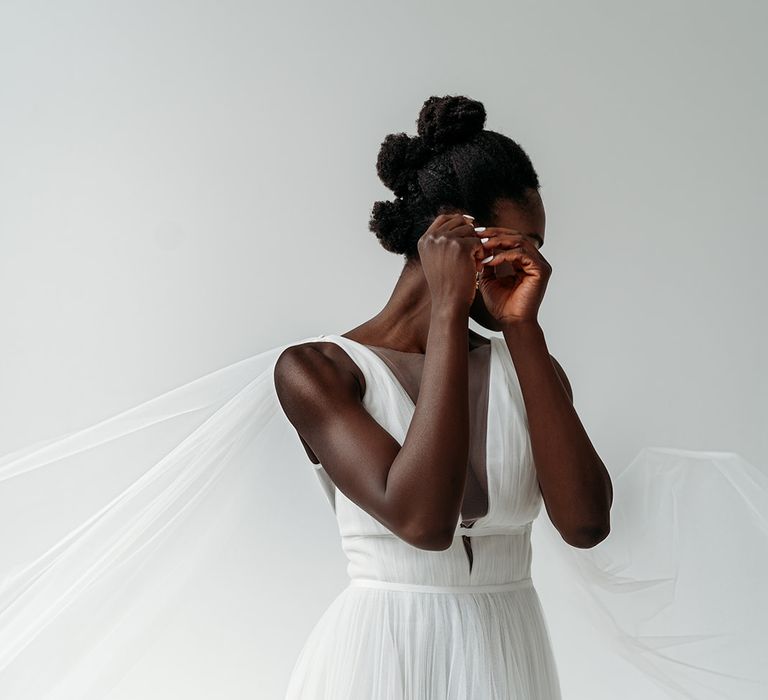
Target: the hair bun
pixel 400 156
pixel 444 121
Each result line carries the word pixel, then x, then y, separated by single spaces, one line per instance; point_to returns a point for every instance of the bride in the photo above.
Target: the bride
pixel 426 625
pixel 160 553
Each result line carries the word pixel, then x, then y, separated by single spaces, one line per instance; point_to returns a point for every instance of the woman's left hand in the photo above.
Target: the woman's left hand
pixel 512 284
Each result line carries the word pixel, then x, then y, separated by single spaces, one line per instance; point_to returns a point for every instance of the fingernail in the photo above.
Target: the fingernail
pixel 467 216
pixel 484 240
pixel 478 229
pixel 488 259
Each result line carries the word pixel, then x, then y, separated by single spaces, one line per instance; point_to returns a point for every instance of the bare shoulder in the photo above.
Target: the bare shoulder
pixel 317 364
pixel 309 376
pixel 563 377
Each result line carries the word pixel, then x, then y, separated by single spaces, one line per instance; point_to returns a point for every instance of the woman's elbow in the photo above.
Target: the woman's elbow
pixel 429 538
pixel 587 537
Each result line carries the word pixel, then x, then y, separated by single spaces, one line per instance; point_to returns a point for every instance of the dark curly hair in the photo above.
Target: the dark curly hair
pixel 453 163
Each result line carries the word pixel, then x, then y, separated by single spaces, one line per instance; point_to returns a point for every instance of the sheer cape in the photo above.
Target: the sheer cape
pixel 156 554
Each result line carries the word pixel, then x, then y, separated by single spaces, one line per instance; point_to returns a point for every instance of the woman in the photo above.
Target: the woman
pixel 440 609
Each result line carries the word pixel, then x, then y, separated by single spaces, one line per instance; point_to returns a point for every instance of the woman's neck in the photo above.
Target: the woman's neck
pixel 403 322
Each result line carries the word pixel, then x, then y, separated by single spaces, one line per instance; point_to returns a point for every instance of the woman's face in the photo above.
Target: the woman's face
pixel 530 220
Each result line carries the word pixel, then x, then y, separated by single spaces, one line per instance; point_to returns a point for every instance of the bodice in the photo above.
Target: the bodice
pixel 500 540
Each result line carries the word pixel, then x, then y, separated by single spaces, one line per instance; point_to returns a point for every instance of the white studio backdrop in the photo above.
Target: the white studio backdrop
pixel 186 185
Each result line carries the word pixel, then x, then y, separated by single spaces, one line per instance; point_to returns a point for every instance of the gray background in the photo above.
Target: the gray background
pixel 186 184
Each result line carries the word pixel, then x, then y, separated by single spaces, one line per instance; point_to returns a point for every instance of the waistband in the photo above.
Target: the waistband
pixel 460 531
pixel 428 588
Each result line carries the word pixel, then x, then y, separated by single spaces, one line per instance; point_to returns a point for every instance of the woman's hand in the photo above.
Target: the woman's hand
pixel 512 284
pixel 450 255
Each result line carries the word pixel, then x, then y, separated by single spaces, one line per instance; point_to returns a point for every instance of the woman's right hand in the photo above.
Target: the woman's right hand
pixel 451 252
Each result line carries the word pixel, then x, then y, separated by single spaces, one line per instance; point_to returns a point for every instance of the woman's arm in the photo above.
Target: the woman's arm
pixel 575 485
pixel 416 489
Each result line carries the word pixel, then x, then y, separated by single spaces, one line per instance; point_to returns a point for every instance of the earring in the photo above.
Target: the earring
pixel 477 280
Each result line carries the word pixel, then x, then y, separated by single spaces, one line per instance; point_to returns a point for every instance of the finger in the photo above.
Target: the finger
pixel 510 240
pixel 479 253
pixel 471 244
pixel 511 255
pixel 487 273
pixel 445 222
pixel 465 230
pixel 495 231
pixel 458 219
pixel 506 242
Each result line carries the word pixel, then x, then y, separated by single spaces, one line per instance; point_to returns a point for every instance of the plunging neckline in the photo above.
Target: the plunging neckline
pixel 408 352
pixel 398 384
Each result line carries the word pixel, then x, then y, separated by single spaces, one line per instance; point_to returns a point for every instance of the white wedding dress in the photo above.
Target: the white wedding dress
pixel 159 554
pixel 415 624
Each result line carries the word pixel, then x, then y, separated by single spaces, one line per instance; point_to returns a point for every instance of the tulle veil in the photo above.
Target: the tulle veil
pixel 156 554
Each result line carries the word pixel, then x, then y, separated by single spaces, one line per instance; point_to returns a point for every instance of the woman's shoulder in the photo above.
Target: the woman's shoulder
pixel 310 374
pixel 316 365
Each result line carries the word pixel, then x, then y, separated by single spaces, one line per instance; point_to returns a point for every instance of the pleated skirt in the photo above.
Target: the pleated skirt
pixel 388 641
